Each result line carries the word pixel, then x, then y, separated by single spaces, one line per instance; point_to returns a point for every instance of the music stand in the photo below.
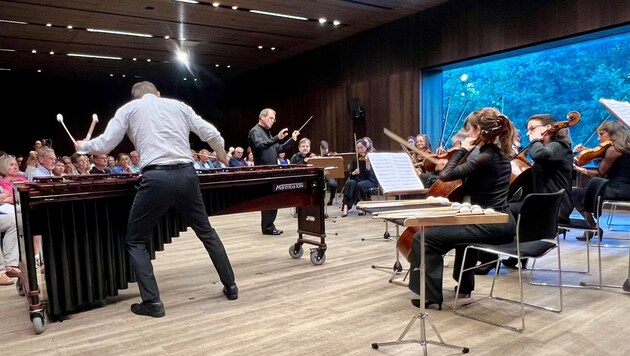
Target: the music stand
pixel 333 166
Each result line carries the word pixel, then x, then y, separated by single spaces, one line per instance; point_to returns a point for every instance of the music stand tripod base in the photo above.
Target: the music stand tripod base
pixel 422 341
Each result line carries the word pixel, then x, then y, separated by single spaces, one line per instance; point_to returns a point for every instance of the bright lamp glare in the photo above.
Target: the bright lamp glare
pixel 182 57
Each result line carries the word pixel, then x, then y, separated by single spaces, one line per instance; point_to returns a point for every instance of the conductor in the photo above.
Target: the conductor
pixel 159 128
pixel 265 149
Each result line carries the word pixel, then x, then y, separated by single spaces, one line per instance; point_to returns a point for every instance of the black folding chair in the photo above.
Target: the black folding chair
pixel 536 232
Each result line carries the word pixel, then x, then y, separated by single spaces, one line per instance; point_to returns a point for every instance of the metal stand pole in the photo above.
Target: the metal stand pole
pixel 422 315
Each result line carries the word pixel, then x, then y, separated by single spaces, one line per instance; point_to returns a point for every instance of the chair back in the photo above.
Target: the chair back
pixel 538 218
pixel 593 198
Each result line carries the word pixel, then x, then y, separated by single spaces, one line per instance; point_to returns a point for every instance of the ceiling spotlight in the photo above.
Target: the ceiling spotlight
pixel 216 65
pixel 216 4
pixel 182 56
pixel 336 23
pixel 39 71
pixel 322 20
pixel 149 60
pixel 195 79
pixel 185 78
pixel 51 52
pixel 123 75
pixel 134 59
pixel 260 47
pixel 234 7
pixel 111 74
pixel 34 51
pixel 273 48
pixel 48 25
pixel 69 27
pixel 229 66
pixel 167 37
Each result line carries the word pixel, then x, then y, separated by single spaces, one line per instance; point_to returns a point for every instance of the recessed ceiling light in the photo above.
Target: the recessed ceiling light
pixel 92 56
pixel 322 20
pixel 34 51
pixel 229 66
pixel 6 50
pixel 189 1
pixel 182 56
pixel 279 15
pixel 167 37
pixel 234 7
pixel 69 27
pixel 124 75
pixel 185 78
pixel 195 79
pixel 216 4
pixel 111 74
pixel 39 71
pixel 260 47
pixel 336 23
pixel 273 48
pixel 6 69
pixel 51 52
pixel 14 22
pixel 149 60
pixel 48 25
pixel 216 65
pixel 134 59
pixel 114 32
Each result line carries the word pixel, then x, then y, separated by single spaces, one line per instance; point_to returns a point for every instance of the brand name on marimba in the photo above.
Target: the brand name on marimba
pixel 289 186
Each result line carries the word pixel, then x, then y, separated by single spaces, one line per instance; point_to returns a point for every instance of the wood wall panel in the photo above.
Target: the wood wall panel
pixel 382 67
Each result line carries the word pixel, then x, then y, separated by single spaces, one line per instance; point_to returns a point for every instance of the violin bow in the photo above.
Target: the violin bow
pixel 597 128
pixel 400 140
pixel 461 114
pixel 448 107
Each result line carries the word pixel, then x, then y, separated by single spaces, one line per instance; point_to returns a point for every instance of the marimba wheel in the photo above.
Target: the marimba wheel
pixel 316 259
pixel 296 251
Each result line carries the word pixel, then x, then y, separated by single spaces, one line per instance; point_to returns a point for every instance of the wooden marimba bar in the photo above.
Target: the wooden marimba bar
pixel 82 221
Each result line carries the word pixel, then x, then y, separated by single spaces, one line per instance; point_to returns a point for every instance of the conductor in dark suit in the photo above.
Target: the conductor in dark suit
pixel 265 148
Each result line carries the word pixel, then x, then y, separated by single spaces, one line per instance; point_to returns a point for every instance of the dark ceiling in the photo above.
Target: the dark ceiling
pixel 221 42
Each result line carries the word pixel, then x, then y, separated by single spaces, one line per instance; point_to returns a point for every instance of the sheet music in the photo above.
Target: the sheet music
pixel 395 172
pixel 621 110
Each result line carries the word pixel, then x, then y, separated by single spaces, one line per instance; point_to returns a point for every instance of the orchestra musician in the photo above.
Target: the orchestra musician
pixel 362 178
pixel 331 183
pixel 304 152
pixel 552 168
pixel 615 166
pixel 160 130
pixel 486 179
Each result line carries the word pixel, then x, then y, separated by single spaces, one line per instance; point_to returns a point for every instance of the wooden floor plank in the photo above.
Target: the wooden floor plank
pixel 291 307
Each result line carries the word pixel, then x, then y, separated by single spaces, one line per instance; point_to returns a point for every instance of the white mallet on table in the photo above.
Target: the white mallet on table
pixel 92 125
pixel 60 119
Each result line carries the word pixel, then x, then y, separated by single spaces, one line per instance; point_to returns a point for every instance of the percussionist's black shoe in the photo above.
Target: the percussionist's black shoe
pixel 155 310
pixel 231 292
pixel 272 232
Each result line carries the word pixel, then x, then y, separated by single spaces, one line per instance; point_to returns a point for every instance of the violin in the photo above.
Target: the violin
pixel 430 166
pixel 589 154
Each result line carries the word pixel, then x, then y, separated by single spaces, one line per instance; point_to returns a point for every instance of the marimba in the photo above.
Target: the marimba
pixel 82 221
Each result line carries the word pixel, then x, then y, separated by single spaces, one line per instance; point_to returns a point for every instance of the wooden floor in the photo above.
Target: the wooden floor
pixel 291 307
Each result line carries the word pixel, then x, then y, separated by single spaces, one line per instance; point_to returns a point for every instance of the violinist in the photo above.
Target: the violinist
pixel 486 179
pixel 331 183
pixel 615 166
pixel 551 171
pixel 362 178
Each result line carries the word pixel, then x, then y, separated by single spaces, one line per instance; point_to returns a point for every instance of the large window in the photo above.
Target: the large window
pixel 571 77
